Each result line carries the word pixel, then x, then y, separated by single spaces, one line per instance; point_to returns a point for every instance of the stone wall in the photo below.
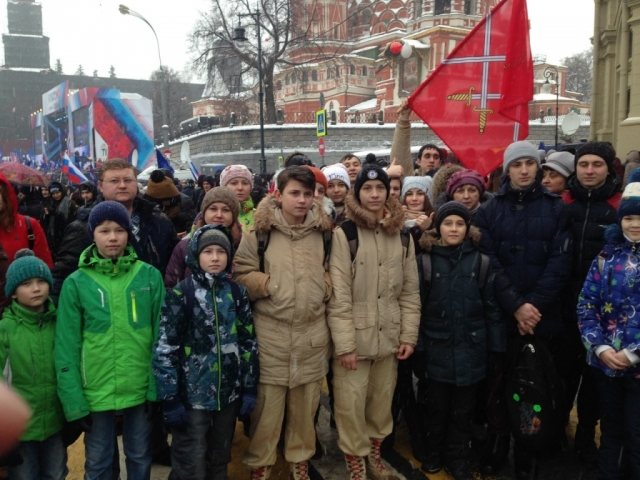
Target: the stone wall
pixel 242 144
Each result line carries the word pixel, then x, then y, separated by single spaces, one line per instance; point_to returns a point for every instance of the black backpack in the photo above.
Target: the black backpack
pixel 263 243
pixel 534 393
pixel 350 230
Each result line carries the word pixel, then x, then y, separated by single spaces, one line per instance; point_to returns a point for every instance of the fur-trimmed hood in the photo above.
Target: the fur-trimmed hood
pixel 440 179
pixel 392 223
pixel 265 216
pixel 429 238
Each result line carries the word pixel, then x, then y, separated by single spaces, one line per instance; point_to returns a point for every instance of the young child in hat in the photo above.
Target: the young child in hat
pixel 27 332
pixel 455 336
pixel 206 358
pixel 338 185
pixel 610 329
pixel 109 310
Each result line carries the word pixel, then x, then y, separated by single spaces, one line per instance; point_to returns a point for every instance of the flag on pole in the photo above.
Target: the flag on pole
pixel 74 174
pixel 162 161
pixel 477 99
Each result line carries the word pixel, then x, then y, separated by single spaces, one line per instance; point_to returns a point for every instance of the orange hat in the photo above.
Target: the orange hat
pixel 320 178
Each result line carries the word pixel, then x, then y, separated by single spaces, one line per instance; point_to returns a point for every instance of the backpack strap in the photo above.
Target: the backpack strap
pixel 405 238
pixel 236 293
pixel 485 264
pixel 30 236
pixel 327 237
pixel 351 231
pixel 263 243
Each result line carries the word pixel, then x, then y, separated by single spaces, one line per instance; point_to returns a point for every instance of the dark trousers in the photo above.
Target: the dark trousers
pixel 579 376
pixel 620 424
pixel 202 449
pixel 447 415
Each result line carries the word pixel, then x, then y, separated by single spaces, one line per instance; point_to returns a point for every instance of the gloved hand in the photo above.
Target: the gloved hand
pixel 152 409
pixel 175 415
pixel 12 458
pixel 73 429
pixel 248 404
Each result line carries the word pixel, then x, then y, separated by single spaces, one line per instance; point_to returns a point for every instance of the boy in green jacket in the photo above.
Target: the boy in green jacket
pixel 27 332
pixel 109 311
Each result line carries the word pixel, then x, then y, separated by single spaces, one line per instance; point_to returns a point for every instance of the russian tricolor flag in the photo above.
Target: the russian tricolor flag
pixel 74 174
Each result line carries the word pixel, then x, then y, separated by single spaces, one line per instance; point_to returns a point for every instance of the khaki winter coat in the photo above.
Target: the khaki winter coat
pixel 289 299
pixel 376 299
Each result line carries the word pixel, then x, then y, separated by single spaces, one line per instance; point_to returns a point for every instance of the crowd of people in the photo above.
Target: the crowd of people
pixel 181 308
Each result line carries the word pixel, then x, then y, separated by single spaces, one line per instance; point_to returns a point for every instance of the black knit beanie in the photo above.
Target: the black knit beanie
pixel 603 150
pixel 371 172
pixel 452 208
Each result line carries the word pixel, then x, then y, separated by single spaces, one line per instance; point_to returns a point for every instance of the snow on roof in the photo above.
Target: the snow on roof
pixel 415 43
pixel 366 105
pixel 545 97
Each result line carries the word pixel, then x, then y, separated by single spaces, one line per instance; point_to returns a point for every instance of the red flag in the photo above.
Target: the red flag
pixel 477 99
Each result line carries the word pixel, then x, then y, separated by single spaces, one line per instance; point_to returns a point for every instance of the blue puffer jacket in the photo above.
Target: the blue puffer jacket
pixel 608 302
pixel 530 251
pixel 210 357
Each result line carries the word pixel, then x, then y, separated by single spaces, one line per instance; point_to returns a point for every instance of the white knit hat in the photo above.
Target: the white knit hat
pixel 337 172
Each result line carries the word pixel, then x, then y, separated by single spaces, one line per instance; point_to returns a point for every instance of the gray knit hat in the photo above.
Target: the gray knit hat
pixel 422 183
pixel 214 236
pixel 518 151
pixel 561 162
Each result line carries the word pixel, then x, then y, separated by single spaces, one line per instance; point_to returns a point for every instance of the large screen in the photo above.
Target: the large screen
pixel 80 120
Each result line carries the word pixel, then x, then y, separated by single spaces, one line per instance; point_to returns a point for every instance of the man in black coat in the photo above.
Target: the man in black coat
pixel 592 202
pixel 153 234
pixel 531 255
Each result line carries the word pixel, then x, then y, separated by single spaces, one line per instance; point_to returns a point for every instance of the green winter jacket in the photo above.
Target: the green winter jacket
pixel 108 322
pixel 26 348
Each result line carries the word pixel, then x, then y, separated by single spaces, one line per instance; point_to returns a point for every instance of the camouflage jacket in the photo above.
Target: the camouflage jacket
pixel 207 353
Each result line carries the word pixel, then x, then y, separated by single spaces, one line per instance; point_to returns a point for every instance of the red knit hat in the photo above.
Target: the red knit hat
pixel 320 178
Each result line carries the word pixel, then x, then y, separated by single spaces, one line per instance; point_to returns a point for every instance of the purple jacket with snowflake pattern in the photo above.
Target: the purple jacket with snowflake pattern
pixel 608 302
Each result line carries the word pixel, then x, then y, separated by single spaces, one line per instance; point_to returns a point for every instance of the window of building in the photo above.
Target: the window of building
pixel 352 70
pixel 364 71
pixel 366 17
pixel 314 75
pixel 293 78
pixel 286 80
pixel 469 7
pixel 549 111
pixel 417 8
pixel 305 76
pixel 337 72
pixel 442 7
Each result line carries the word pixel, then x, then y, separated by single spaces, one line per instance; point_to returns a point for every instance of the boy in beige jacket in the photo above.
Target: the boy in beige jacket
pixel 374 316
pixel 289 288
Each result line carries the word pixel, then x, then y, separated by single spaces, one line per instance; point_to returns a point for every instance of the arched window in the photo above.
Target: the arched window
pixel 364 71
pixel 293 78
pixel 352 70
pixel 366 17
pixel 286 80
pixel 305 76
pixel 314 75
pixel 337 72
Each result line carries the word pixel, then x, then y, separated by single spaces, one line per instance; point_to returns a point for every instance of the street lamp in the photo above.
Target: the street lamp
pixel 548 74
pixel 239 37
pixel 124 10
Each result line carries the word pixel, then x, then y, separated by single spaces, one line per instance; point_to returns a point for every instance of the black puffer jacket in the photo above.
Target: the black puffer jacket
pixel 153 241
pixel 459 322
pixel 587 215
pixel 529 249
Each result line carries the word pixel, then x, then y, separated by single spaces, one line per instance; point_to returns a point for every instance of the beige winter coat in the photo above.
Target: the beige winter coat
pixel 289 299
pixel 376 299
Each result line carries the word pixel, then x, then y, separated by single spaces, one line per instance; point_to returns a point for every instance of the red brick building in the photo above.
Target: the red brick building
pixel 361 78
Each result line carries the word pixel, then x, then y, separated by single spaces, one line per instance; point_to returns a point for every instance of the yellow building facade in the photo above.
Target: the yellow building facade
pixel 615 103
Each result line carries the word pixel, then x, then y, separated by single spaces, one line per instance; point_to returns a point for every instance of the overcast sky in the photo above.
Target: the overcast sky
pixel 93 33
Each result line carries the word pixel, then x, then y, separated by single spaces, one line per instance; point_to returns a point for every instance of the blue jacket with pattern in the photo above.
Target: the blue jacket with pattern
pixel 608 302
pixel 207 353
